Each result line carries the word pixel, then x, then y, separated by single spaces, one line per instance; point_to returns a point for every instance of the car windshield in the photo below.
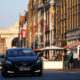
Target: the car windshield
pixel 20 52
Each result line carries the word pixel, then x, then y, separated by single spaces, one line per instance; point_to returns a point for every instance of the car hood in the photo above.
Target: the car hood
pixel 22 59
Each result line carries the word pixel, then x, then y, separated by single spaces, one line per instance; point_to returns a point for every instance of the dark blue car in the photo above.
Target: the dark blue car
pixel 1 54
pixel 21 60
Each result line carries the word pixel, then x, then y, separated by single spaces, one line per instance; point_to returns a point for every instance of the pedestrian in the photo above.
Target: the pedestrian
pixel 75 59
pixel 65 59
pixel 70 58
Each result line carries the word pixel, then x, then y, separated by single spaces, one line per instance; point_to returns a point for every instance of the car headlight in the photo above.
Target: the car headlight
pixel 38 61
pixel 7 62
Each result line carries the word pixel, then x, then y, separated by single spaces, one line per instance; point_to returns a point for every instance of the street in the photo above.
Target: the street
pixel 47 75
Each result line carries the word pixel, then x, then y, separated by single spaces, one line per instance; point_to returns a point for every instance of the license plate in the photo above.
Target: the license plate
pixel 24 69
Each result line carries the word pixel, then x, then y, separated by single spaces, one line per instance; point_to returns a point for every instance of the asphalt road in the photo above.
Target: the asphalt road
pixel 47 75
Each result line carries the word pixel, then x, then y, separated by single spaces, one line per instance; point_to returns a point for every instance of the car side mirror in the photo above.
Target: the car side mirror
pixel 2 56
pixel 40 54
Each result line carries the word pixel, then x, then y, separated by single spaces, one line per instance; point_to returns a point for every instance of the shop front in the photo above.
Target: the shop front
pixel 78 50
pixel 52 57
pixel 75 47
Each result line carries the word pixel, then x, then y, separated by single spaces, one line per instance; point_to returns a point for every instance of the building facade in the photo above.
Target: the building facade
pixel 41 23
pixel 22 35
pixel 67 22
pixel 8 36
pixel 29 24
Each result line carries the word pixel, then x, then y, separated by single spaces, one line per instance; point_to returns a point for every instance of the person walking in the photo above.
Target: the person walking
pixel 65 59
pixel 70 57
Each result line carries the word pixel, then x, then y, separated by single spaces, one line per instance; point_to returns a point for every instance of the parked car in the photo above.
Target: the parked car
pixel 0 64
pixel 21 60
pixel 1 55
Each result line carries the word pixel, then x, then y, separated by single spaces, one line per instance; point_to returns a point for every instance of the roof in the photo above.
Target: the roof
pixel 72 45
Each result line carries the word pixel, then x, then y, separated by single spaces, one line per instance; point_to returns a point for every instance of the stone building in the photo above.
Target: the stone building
pixel 9 37
pixel 41 13
pixel 67 22
pixel 23 30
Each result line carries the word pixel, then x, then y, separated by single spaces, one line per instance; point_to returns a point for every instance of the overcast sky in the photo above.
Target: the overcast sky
pixel 10 10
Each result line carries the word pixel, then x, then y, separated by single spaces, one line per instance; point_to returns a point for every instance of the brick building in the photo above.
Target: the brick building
pixel 41 13
pixel 67 22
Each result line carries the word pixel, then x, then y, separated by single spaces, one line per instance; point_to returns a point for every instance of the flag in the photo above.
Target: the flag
pixel 24 31
pixel 34 30
pixel 20 36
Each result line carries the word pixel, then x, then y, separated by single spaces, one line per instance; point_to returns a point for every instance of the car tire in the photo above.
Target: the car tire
pixel 40 73
pixel 4 73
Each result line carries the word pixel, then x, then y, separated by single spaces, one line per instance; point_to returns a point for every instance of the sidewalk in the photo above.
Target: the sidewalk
pixel 72 70
pixel 76 70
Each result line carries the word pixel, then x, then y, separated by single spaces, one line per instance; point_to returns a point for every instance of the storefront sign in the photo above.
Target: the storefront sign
pixel 73 35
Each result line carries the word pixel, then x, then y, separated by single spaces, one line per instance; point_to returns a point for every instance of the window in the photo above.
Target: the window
pixel 34 0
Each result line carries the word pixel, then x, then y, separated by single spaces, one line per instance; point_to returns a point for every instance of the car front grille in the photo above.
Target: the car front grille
pixel 18 65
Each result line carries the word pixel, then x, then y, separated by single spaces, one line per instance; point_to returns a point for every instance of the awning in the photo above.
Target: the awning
pixel 52 48
pixel 71 45
pixel 36 49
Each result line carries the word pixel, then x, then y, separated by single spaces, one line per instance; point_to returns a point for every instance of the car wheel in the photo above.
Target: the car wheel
pixel 40 73
pixel 4 73
pixel 33 74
